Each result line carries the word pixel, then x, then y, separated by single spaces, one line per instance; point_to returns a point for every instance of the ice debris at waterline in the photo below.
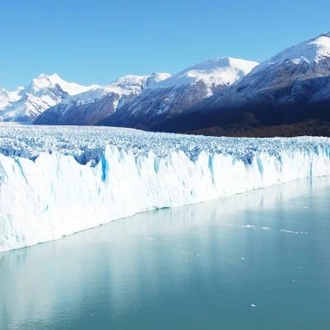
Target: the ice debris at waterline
pixel 56 181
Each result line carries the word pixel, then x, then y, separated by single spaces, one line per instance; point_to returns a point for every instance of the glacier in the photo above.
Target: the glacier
pixel 56 181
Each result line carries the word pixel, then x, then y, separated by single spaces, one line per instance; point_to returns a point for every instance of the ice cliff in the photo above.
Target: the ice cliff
pixel 55 181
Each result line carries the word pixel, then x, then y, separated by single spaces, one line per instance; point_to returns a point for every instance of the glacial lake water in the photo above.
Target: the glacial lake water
pixel 259 260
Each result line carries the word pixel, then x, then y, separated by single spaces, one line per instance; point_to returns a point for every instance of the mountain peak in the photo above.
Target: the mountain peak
pixel 130 80
pixel 311 52
pixel 223 63
pixel 53 76
pixel 44 81
pixel 216 71
pixel 155 78
pixel 126 83
pixel 320 46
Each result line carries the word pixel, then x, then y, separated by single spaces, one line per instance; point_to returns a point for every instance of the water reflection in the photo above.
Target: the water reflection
pixel 180 267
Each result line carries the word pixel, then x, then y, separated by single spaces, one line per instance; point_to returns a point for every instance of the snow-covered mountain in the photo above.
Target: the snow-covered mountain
pixel 220 71
pixel 290 68
pixel 293 85
pixel 6 97
pixel 140 101
pixel 92 106
pixel 26 103
pixel 180 92
pixel 129 101
pixel 308 53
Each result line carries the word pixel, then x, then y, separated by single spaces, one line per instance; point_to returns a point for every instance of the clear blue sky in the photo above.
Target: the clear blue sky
pixel 98 41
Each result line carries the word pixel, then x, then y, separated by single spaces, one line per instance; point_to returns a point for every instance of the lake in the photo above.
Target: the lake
pixel 259 260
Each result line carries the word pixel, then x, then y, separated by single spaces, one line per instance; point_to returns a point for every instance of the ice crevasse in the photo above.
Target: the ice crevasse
pixel 50 195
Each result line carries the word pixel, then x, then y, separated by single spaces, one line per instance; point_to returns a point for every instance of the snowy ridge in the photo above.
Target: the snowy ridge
pixel 179 93
pixel 310 52
pixel 51 100
pixel 217 71
pixel 293 75
pixel 125 85
pixel 90 107
pixel 70 179
pixel 8 97
pixel 4 98
pixel 156 77
pixel 26 103
pixel 44 81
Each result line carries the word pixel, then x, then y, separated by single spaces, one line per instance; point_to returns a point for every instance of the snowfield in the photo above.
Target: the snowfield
pixel 55 181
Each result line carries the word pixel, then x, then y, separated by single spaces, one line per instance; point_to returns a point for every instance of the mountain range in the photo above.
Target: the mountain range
pixel 25 104
pixel 288 94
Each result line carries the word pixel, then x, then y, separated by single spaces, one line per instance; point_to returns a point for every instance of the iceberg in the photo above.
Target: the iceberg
pixel 56 181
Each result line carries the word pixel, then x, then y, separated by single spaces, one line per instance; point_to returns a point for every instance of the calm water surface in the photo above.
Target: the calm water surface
pixel 254 261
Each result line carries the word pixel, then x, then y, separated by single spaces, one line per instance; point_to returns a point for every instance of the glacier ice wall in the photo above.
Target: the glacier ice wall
pixel 50 195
